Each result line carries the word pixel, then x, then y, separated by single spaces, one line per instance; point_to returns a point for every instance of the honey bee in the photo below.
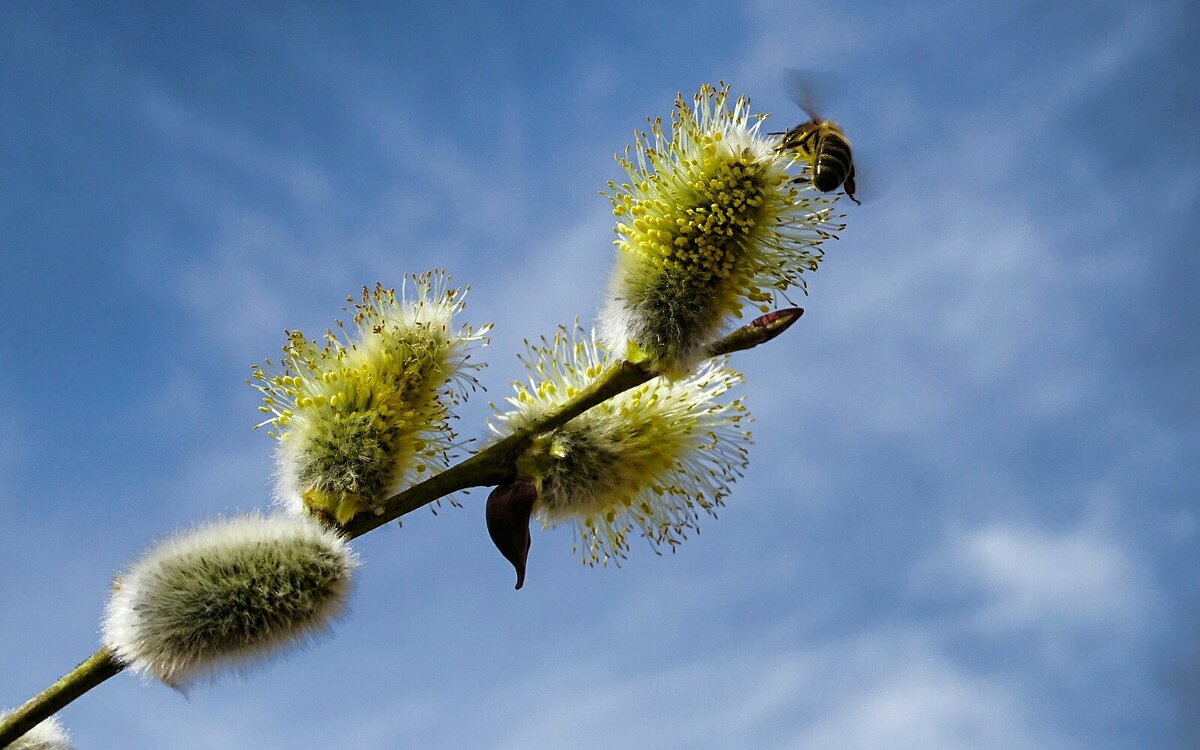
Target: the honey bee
pixel 822 142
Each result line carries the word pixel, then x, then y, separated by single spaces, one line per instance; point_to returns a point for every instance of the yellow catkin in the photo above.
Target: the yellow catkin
pixel 709 220
pixel 640 462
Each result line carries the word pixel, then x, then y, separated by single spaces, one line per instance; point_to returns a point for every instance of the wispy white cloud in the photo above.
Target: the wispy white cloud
pixel 238 274
pixel 563 277
pixel 1037 578
pixel 1068 585
pixel 896 690
pixel 274 260
pixel 229 145
pixel 945 292
pixel 889 688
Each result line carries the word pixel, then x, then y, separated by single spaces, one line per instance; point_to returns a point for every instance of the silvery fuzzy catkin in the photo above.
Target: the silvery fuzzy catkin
pixel 226 593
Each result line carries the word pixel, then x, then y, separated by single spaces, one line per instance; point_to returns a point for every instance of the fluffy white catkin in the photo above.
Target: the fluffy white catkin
pixel 225 593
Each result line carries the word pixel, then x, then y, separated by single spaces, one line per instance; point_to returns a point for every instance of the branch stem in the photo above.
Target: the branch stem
pixel 494 465
pixel 94 670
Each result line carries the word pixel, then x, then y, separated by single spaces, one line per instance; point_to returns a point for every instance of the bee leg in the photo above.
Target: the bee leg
pixel 796 141
pixel 848 186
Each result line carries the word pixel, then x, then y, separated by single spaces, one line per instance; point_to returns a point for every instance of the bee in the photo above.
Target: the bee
pixel 822 142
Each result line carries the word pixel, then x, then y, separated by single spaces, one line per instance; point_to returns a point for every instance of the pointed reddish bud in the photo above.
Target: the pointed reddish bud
pixel 758 331
pixel 508 510
pixel 777 321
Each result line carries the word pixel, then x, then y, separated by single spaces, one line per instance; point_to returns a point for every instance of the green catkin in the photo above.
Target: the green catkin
pixel 226 593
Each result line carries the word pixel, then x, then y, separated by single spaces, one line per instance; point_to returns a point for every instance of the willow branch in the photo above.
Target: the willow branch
pixel 494 465
pixel 90 673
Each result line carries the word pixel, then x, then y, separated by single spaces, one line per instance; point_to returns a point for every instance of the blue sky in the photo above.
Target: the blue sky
pixel 970 518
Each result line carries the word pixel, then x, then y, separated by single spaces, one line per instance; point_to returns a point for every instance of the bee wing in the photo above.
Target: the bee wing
pixel 801 86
